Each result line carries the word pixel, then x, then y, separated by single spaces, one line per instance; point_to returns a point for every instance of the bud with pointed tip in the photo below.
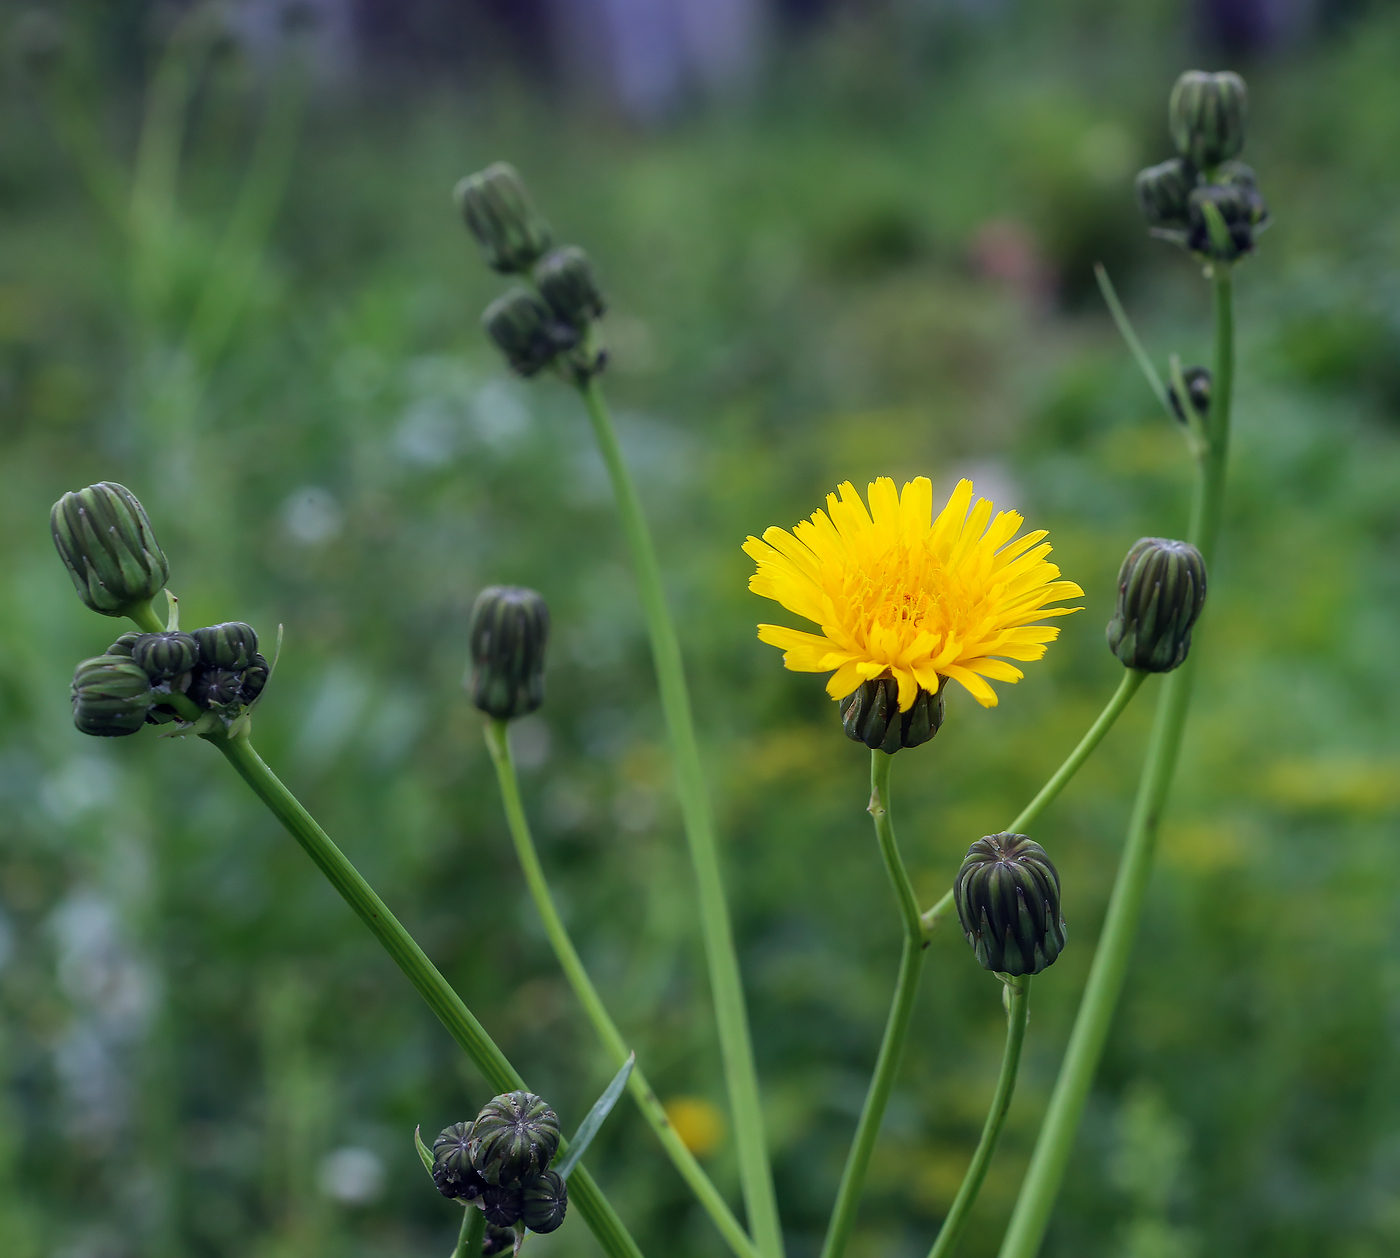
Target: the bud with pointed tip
pixel 514 1138
pixel 106 543
pixel 870 715
pixel 500 214
pixel 508 635
pixel 111 696
pixel 1198 382
pixel 1163 190
pixel 1161 590
pixel 232 645
pixel 527 331
pixel 546 1202
pixel 1206 116
pixel 165 655
pixel 568 284
pixel 1008 898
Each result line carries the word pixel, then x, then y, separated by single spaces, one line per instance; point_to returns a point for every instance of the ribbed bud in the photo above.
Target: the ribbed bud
pixel 497 1240
pixel 216 687
pixel 500 214
pixel 502 1204
pixel 1241 210
pixel 546 1203
pixel 1207 116
pixel 165 655
pixel 254 679
pixel 569 286
pixel 514 1138
pixel 527 331
pixel 107 545
pixel 1008 898
pixel 508 635
pixel 871 715
pixel 1163 190
pixel 111 696
pixel 122 646
pixel 232 645
pixel 1198 382
pixel 1161 590
pixel 452 1168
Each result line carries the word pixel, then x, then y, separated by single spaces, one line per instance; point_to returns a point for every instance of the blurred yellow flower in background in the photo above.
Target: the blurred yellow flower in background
pixel 698 1123
pixel 898 593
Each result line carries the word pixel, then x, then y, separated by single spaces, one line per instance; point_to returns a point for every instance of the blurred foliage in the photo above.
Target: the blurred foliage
pixel 253 304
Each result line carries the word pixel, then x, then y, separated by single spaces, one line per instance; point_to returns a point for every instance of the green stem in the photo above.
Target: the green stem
pixel 609 1230
pixel 911 964
pixel 498 741
pixel 470 1237
pixel 1110 966
pixel 1018 994
pixel 731 1017
pixel 1125 329
pixel 1127 688
pixel 146 619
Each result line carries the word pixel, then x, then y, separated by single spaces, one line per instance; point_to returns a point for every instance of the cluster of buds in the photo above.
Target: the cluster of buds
pixel 509 633
pixel 110 551
pixel 1205 199
pixel 499 1163
pixel 552 321
pixel 1008 899
pixel 870 714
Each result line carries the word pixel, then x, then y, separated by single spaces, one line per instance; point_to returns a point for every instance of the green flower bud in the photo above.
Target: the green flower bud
pixel 106 542
pixel 1162 192
pixel 497 1240
pixel 254 679
pixel 514 1138
pixel 508 635
pixel 566 281
pixel 1242 211
pixel 122 646
pixel 500 214
pixel 111 696
pixel 1161 590
pixel 502 1204
pixel 452 1168
pixel 1207 115
pixel 529 334
pixel 871 715
pixel 232 645
pixel 1198 382
pixel 546 1203
pixel 1008 898
pixel 165 655
pixel 216 688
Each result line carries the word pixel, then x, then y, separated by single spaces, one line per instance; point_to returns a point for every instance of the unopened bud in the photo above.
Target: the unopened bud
pixel 254 679
pixel 165 655
pixel 1198 383
pixel 1161 590
pixel 232 645
pixel 216 688
pixel 107 545
pixel 500 214
pixel 124 644
pixel 546 1202
pixel 1241 213
pixel 568 284
pixel 508 635
pixel 527 331
pixel 513 1139
pixel 870 715
pixel 452 1168
pixel 498 1240
pixel 1008 898
pixel 1207 116
pixel 111 696
pixel 502 1204
pixel 1163 190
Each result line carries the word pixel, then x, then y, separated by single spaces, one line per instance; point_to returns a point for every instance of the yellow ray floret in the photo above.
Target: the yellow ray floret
pixel 900 594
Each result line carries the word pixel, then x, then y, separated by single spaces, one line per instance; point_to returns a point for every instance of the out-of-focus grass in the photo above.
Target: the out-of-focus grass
pixel 879 265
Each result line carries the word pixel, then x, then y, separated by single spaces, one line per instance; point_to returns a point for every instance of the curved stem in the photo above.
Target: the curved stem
pixel 1018 994
pixel 1127 688
pixel 911 963
pixel 1110 966
pixel 146 619
pixel 731 1017
pixel 498 742
pixel 435 990
pixel 470 1237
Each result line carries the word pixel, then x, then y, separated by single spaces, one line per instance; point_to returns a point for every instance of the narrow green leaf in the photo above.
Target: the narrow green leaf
pixel 587 1129
pixel 425 1154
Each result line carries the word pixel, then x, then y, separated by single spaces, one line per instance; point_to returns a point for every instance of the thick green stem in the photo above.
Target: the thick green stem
pixel 1127 688
pixel 146 619
pixel 911 964
pixel 1031 1216
pixel 470 1237
pixel 1018 995
pixel 609 1230
pixel 498 741
pixel 731 1017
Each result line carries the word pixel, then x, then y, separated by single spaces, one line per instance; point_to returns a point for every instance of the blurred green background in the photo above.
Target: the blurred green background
pixel 858 242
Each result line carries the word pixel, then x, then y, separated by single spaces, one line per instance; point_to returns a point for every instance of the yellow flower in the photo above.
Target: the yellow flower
pixel 896 595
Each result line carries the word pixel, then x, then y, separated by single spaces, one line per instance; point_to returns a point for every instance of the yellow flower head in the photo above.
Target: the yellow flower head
pixel 897 593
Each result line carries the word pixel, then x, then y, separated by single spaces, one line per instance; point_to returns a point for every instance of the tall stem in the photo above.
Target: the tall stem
pixel 498 741
pixel 609 1230
pixel 731 1017
pixel 1018 994
pixel 911 964
pixel 470 1237
pixel 1110 966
